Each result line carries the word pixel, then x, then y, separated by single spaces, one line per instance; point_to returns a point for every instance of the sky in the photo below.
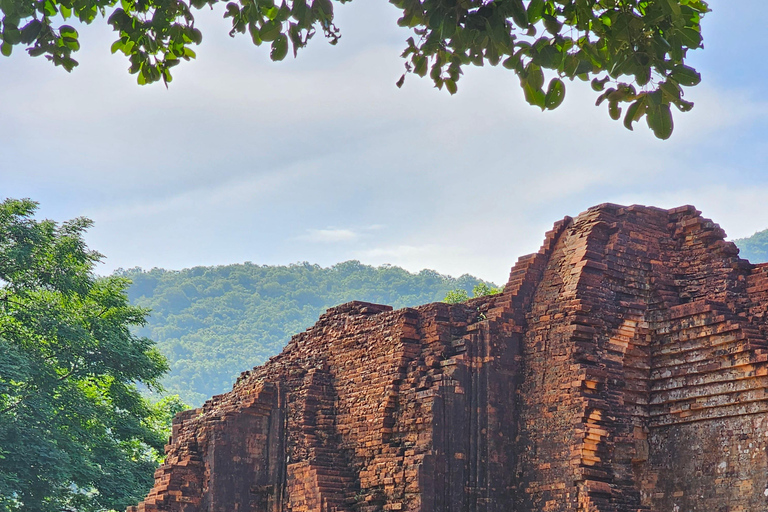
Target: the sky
pixel 323 159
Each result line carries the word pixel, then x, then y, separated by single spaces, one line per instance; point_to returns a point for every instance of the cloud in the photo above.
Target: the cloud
pixel 336 235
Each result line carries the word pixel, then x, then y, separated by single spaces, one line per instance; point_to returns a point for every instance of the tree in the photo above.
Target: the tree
pixel 458 295
pixel 638 47
pixel 75 434
pixel 483 289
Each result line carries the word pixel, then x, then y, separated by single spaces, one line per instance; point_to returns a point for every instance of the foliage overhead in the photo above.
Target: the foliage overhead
pixel 75 434
pixel 214 322
pixel 633 51
pixel 754 248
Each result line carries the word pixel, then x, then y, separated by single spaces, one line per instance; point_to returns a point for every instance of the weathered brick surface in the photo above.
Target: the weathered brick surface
pixel 623 369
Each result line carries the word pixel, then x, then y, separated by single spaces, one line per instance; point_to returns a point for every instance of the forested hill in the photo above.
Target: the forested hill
pixel 754 248
pixel 215 322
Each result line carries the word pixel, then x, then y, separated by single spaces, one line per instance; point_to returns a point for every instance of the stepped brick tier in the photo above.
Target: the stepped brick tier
pixel 624 368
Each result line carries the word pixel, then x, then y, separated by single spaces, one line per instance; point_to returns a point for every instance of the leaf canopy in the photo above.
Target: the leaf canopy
pixel 640 46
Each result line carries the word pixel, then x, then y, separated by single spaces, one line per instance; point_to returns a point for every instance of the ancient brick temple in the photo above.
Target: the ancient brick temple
pixel 624 368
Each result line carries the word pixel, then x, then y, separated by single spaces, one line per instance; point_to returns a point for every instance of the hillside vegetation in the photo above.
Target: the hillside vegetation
pixel 754 248
pixel 214 322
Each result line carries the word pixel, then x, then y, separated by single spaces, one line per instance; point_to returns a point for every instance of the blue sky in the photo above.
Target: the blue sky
pixel 323 159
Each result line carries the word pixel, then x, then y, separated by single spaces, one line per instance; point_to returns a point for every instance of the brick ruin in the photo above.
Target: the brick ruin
pixel 623 368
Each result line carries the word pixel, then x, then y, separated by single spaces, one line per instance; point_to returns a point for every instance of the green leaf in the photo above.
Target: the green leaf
pixel 519 14
pixel 30 31
pixel 116 46
pixel 534 75
pixel 699 5
pixel 552 24
pixel 269 31
pixel 271 13
pixel 660 121
pixel 451 86
pixel 684 106
pixel 535 10
pixel 420 65
pixel 691 38
pixel 685 75
pixel 49 7
pixel 604 96
pixel 634 113
pixel 673 6
pixel 232 10
pixel 323 6
pixel 513 62
pixel 533 96
pixel 37 51
pixel 435 20
pixel 671 90
pixel 570 65
pixel 614 110
pixel 583 64
pixel 279 48
pixel 555 94
pixel 71 43
pixel 548 57
pixel 6 49
pixel 599 85
pixel 447 27
pixel 68 31
pixel 256 39
pixel 11 35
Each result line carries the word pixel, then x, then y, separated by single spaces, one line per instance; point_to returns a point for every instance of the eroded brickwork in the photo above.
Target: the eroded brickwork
pixel 623 369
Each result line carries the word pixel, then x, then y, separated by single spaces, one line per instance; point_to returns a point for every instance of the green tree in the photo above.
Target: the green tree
pixel 160 419
pixel 481 289
pixel 639 47
pixel 75 434
pixel 754 248
pixel 456 297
